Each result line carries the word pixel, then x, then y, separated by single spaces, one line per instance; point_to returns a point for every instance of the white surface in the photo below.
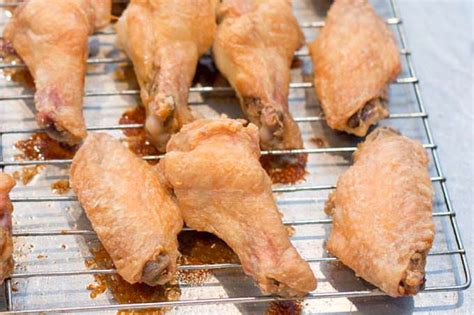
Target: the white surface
pixel 440 37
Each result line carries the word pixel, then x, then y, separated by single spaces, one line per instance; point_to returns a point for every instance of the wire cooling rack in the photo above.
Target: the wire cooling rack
pixel 43 220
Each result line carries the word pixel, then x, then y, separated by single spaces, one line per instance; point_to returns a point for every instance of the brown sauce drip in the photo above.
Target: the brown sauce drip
pixel 27 173
pixel 285 308
pixel 320 143
pixel 19 75
pixel 195 247
pixel 136 138
pixel 124 292
pixel 285 169
pixel 41 147
pixel 60 187
pixel 296 63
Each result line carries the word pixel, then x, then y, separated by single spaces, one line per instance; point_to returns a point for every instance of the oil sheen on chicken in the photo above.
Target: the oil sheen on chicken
pixel 354 58
pixel 165 39
pixel 254 48
pixel 213 167
pixel 382 220
pixel 134 216
pixel 6 240
pixel 52 39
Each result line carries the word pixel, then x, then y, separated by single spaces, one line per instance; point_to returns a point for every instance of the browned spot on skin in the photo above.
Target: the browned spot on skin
pixel 285 169
pixel 41 147
pixel 136 138
pixel 27 173
pixel 202 248
pixel 122 291
pixel 320 143
pixel 285 308
pixel 60 187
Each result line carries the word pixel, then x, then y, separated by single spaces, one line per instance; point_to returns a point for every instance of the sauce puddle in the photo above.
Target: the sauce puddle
pixel 195 247
pixel 285 169
pixel 136 138
pixel 40 147
pixel 284 308
pixel 60 187
pixel 122 291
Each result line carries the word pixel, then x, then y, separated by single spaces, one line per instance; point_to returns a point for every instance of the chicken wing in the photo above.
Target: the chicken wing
pixel 382 221
pixel 354 58
pixel 254 48
pixel 51 38
pixel 134 216
pixel 165 39
pixel 230 195
pixel 6 240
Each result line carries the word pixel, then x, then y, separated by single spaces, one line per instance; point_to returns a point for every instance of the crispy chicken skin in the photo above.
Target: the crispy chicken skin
pixel 52 39
pixel 354 58
pixel 382 220
pixel 254 48
pixel 229 194
pixel 165 39
pixel 134 216
pixel 6 240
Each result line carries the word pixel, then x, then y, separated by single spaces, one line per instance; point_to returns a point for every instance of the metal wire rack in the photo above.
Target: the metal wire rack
pixel 462 276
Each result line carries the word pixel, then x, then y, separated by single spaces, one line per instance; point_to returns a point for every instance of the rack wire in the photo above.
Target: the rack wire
pixel 421 114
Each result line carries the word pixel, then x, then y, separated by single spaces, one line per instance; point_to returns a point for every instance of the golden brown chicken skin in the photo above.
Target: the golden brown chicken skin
pixel 254 48
pixel 52 39
pixel 6 241
pixel 382 213
pixel 165 39
pixel 134 216
pixel 354 58
pixel 213 167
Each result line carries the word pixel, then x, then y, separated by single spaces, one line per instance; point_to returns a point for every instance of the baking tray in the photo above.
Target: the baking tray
pixel 52 236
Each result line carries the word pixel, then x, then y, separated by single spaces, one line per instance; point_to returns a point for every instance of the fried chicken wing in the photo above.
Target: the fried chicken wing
pixel 134 216
pixel 6 240
pixel 51 38
pixel 165 39
pixel 254 48
pixel 382 220
pixel 354 58
pixel 230 195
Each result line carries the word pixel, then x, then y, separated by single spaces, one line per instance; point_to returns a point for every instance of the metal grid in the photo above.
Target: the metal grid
pixel 439 178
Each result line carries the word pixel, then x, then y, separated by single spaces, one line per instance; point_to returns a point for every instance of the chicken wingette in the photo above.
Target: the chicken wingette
pixel 134 215
pixel 354 58
pixel 382 221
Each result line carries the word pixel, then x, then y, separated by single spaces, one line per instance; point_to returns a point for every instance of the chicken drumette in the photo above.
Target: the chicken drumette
pixel 6 240
pixel 52 39
pixel 230 195
pixel 254 48
pixel 165 39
